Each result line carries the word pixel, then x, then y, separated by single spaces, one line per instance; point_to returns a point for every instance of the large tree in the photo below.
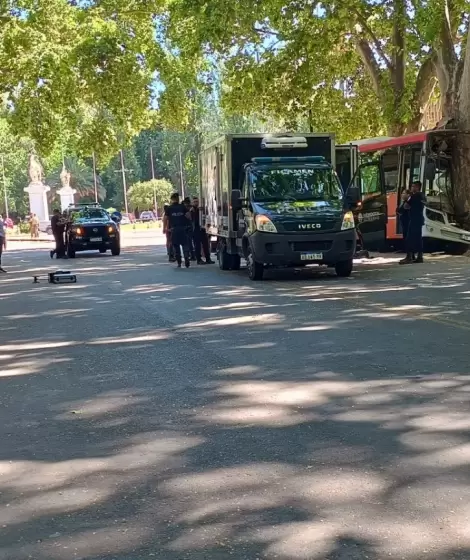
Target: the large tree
pixel 360 67
pixel 84 71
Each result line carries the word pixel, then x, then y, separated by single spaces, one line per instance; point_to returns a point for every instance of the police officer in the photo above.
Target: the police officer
pixel 200 239
pixel 192 251
pixel 404 215
pixel 176 220
pixel 414 238
pixel 167 233
pixel 58 229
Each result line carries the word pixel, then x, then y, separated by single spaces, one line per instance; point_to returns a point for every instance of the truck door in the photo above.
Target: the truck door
pixel 347 159
pixel 371 214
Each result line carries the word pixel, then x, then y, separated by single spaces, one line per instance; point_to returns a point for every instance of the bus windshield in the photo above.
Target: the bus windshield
pixel 297 183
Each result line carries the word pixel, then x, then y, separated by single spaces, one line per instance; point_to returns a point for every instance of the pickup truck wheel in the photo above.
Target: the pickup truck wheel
pixel 116 250
pixel 70 252
pixel 255 269
pixel 225 260
pixel 344 268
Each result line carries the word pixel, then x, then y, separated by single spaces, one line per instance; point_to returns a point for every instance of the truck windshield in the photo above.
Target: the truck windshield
pixel 290 182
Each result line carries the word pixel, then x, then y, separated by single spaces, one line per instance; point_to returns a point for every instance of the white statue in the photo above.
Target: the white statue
pixel 35 169
pixel 65 177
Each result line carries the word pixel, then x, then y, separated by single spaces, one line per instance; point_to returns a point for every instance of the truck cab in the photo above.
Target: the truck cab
pixel 290 212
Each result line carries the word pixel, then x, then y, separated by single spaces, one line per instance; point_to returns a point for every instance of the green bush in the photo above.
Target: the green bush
pixel 24 227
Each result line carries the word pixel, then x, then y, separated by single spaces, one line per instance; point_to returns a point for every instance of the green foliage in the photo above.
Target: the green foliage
pixel 351 67
pixel 81 179
pixel 84 72
pixel 143 195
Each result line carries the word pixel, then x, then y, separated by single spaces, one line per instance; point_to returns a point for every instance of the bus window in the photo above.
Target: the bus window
pixel 390 168
pixel 411 166
pixel 370 179
pixel 441 186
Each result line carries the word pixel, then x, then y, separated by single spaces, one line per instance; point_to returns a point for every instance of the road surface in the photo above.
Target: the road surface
pixel 149 412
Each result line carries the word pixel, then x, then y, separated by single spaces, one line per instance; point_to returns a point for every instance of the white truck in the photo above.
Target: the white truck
pixel 276 201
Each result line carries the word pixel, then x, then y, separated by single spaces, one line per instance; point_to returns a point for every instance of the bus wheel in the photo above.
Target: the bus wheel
pixel 344 268
pixel 457 248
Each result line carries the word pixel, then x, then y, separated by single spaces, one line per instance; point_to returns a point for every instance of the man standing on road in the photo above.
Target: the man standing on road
pixel 3 241
pixel 34 226
pixel 192 251
pixel 58 227
pixel 414 238
pixel 176 219
pixel 199 235
pixel 167 233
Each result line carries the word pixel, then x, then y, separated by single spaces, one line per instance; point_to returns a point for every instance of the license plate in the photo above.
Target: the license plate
pixel 311 256
pixel 95 239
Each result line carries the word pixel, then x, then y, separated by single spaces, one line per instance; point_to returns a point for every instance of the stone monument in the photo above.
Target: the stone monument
pixel 37 190
pixel 66 193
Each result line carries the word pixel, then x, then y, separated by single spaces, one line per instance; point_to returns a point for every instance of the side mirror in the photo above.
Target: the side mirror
pixel 116 217
pixel 430 171
pixel 353 195
pixel 236 199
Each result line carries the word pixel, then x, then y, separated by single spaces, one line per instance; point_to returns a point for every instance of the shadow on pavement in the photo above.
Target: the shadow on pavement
pixel 249 432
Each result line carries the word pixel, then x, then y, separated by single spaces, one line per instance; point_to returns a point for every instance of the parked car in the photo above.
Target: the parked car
pixel 45 226
pixel 125 220
pixel 147 216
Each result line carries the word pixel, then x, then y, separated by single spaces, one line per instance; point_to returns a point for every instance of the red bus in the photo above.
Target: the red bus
pixel 383 167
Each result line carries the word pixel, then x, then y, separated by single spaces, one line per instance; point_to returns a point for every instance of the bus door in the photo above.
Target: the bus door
pixel 371 214
pixel 347 160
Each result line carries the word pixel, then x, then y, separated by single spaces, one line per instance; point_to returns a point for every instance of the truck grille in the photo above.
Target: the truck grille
pixel 101 231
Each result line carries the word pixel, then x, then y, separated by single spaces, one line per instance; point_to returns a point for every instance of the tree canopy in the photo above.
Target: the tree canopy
pixel 143 195
pixel 355 66
pixel 83 73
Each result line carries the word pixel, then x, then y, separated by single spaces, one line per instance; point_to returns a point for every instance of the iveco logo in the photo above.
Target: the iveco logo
pixel 309 226
pixel 95 229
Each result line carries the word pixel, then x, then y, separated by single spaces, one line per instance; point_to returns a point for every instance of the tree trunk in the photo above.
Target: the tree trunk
pixel 460 199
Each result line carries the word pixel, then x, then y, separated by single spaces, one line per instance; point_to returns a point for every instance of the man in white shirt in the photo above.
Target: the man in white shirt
pixel 3 241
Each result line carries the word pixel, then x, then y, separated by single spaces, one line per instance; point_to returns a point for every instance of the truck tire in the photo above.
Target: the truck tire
pixel 224 258
pixel 70 252
pixel 255 269
pixel 344 268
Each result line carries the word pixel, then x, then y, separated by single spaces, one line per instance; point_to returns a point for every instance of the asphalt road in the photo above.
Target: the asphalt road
pixel 150 412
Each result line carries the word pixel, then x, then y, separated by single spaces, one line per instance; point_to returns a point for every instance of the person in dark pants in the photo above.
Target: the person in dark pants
pixel 404 214
pixel 200 239
pixel 58 228
pixel 3 241
pixel 414 238
pixel 176 220
pixel 169 244
pixel 192 250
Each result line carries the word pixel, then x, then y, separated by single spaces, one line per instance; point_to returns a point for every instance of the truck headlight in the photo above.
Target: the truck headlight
pixel 348 221
pixel 263 223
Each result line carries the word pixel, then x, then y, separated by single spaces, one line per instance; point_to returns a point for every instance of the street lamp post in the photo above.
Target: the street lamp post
pixel 124 184
pixel 94 177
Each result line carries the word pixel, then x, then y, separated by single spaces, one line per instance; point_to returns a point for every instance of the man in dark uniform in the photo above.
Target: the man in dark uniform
pixel 200 239
pixel 58 228
pixel 414 238
pixel 176 220
pixel 192 251
pixel 169 244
